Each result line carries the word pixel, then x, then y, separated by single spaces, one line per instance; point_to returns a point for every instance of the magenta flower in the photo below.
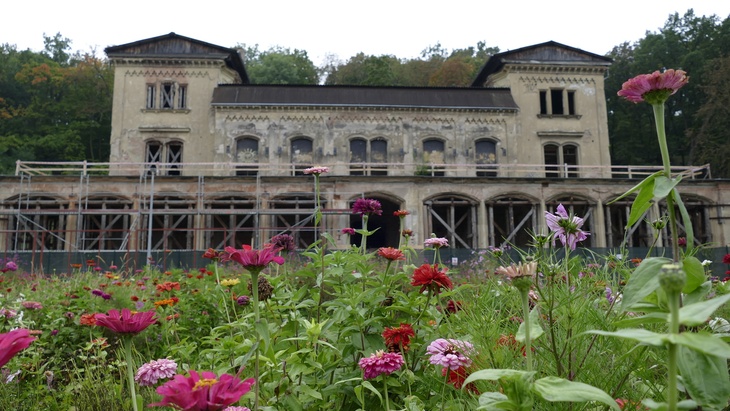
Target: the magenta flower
pixel 566 227
pixel 8 313
pixel 253 260
pixel 380 363
pixel 31 305
pixel 367 206
pixel 450 353
pixel 148 374
pixel 202 392
pixel 436 242
pixel 12 343
pixel 11 266
pixel 316 170
pixel 284 242
pixel 654 88
pixel 126 322
pixel 348 231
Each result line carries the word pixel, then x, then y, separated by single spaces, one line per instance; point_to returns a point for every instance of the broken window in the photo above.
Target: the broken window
pixel 617 216
pixel 386 226
pixel 171 152
pixel 301 154
pixel 151 96
pixel 230 221
pixel 167 95
pixel 485 156
pixel 182 96
pixel 453 218
pixel 511 220
pixel 174 158
pixel 105 223
pixel 433 158
pixel 556 101
pixel 247 153
pixel 295 216
pixel 368 157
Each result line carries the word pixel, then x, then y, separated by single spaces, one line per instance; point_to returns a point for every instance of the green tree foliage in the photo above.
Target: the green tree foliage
pixel 54 106
pixel 685 42
pixel 280 65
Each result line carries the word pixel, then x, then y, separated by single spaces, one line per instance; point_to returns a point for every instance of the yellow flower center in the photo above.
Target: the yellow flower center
pixel 205 382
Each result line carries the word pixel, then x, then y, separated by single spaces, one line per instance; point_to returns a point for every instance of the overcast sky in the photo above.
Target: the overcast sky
pixel 344 28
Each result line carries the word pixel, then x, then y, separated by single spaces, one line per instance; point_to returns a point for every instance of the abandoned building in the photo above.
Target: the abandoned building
pixel 201 158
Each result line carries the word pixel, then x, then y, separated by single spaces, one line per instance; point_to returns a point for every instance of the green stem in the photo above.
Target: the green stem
pixel 385 388
pixel 666 162
pixel 526 315
pixel 127 341
pixel 672 395
pixel 363 241
pixel 257 317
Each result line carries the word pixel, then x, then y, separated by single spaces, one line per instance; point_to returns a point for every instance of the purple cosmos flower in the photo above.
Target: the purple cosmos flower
pixel 367 206
pixel 450 353
pixel 566 227
pixel 316 170
pixel 148 374
pixel 380 363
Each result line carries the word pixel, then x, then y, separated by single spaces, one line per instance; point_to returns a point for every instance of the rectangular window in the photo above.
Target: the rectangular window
pixel 543 102
pixel 182 95
pixel 150 96
pixel 556 97
pixel 571 103
pixel 167 94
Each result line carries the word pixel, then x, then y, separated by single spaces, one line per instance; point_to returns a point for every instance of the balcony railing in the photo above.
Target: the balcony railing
pixel 345 169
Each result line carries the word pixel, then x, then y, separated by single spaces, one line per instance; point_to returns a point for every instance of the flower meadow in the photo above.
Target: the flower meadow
pixel 541 328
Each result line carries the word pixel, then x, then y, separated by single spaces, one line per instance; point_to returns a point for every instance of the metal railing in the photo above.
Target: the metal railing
pixel 508 170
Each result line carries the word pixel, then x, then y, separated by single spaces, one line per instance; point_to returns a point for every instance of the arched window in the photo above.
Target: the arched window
pixel 301 154
pixel 559 159
pixel 368 157
pixel 485 155
pixel 247 153
pixel 433 158
pixel 170 154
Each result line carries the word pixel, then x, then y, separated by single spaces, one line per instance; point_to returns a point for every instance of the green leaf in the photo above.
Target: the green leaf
pixel 369 386
pixel 651 318
pixel 643 281
pixel 636 334
pixel 702 342
pixel 688 230
pixel 705 377
pixel 644 182
pixel 698 313
pixel 413 403
pixel 642 203
pixel 699 294
pixel 695 274
pixel 535 330
pixel 495 401
pixel 556 389
pixel 663 186
pixel 307 390
pixel 495 374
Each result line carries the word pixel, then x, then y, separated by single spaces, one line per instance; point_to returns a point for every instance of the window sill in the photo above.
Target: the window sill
pixel 166 110
pixel 565 116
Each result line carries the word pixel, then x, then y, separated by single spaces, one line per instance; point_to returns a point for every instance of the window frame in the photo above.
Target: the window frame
pixel 549 108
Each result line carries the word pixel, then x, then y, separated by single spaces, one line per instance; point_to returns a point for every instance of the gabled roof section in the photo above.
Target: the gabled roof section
pixel 453 98
pixel 548 53
pixel 172 45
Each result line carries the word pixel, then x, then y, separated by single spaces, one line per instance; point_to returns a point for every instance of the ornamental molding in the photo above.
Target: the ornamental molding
pixel 167 73
pixel 590 70
pixel 367 119
pixel 302 118
pixel 433 120
pixel 231 118
pixel 486 121
pixel 533 81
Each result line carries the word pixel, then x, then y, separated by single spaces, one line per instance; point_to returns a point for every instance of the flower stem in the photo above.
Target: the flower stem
pixel 385 388
pixel 672 395
pixel 257 318
pixel 127 341
pixel 666 162
pixel 525 294
pixel 363 241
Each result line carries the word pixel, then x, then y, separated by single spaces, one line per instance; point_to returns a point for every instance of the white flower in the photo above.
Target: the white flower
pixel 705 263
pixel 719 325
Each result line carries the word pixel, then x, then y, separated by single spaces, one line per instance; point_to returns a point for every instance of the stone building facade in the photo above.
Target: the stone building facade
pixel 200 158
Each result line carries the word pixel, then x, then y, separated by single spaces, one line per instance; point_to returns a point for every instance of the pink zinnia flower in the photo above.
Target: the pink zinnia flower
pixel 316 170
pixel 390 253
pixel 380 363
pixel 32 305
pixel 253 260
pixel 367 206
pixel 436 242
pixel 450 353
pixel 566 227
pixel 11 266
pixel 148 374
pixel 8 313
pixel 654 88
pixel 12 343
pixel 202 392
pixel 125 322
pixel 348 231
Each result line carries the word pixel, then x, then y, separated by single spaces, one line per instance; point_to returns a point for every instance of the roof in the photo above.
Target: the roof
pixel 364 96
pixel 548 53
pixel 173 45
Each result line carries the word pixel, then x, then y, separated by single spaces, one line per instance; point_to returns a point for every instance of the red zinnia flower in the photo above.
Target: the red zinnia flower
pixel 12 343
pixel 204 391
pixel 401 213
pixel 253 260
pixel 391 253
pixel 168 286
pixel 429 277
pixel 367 206
pixel 87 319
pixel 726 259
pixel 399 337
pixel 126 322
pixel 457 377
pixel 212 254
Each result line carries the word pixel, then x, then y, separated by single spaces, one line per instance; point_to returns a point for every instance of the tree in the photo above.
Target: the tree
pixel 280 66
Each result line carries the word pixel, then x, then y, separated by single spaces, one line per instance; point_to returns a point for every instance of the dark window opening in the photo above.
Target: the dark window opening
pixel 552 160
pixel 556 97
pixel 486 153
pixel 301 155
pixel 543 102
pixel 358 156
pixel 150 96
pixel 182 96
pixel 167 94
pixel 571 103
pixel 570 158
